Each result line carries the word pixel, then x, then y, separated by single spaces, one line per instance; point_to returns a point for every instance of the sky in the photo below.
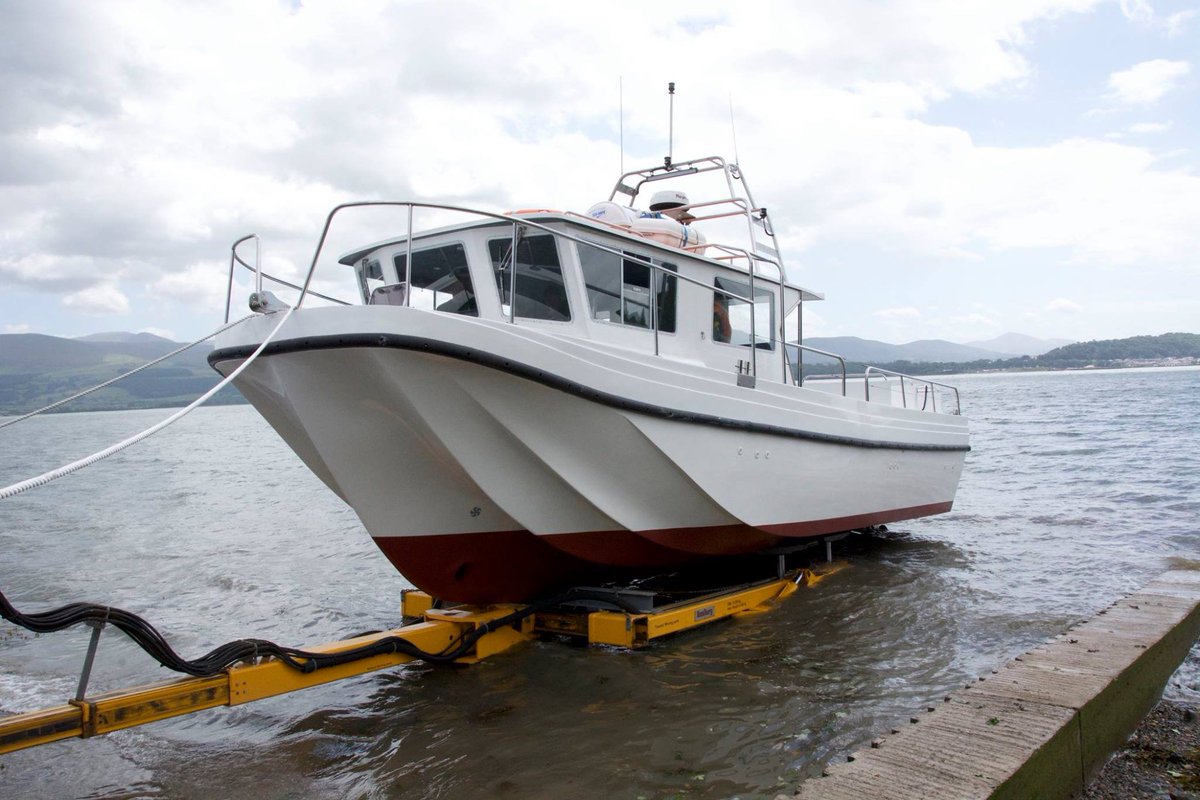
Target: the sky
pixel 951 170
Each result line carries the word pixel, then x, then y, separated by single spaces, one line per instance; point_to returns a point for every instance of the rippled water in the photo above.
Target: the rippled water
pixel 1081 486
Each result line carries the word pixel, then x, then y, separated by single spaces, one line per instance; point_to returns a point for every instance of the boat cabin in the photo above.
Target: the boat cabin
pixel 645 281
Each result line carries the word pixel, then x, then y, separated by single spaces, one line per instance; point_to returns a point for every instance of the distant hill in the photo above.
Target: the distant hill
pixel 1018 344
pixel 125 337
pixel 1169 349
pixel 36 370
pixel 925 350
pixel 1135 348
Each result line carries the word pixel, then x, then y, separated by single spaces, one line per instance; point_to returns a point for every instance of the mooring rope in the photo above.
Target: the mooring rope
pixel 53 475
pixel 134 371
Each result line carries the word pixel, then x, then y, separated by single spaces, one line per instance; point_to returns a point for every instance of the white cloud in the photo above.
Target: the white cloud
pixel 815 324
pixel 1061 305
pixel 202 284
pixel 52 272
pixel 163 332
pixel 17 327
pixel 1137 10
pixel 68 135
pixel 1150 127
pixel 974 321
pixel 134 162
pixel 902 313
pixel 1141 12
pixel 1175 23
pixel 98 300
pixel 1146 83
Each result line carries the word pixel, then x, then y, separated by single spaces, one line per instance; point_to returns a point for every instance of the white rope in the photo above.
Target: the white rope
pixel 135 371
pixel 47 477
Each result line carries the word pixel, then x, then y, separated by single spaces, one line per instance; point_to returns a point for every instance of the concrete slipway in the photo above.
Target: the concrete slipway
pixel 1040 726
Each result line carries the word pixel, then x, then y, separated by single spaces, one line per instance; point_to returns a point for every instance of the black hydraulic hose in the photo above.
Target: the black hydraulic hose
pixel 221 658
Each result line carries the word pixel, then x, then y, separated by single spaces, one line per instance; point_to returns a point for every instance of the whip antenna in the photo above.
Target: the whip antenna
pixel 733 129
pixel 670 125
pixel 621 111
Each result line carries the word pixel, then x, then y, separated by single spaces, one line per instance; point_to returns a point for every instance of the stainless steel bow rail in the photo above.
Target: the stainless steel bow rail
pixel 930 388
pixel 259 275
pixel 521 225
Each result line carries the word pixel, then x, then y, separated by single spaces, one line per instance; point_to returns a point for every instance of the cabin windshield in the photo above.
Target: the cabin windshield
pixel 441 280
pixel 539 287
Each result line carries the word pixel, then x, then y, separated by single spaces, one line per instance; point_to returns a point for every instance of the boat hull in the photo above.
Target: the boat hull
pixel 484 478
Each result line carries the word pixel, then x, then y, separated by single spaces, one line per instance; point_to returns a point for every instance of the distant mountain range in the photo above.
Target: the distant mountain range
pixel 37 370
pixel 945 358
pixel 1018 344
pixel 125 337
pixel 1010 345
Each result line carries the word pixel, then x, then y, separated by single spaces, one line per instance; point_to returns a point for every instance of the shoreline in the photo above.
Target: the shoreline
pixel 1160 759
pixel 1041 724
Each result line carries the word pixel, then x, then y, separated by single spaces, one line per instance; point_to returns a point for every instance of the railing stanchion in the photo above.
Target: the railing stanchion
pixel 803 347
pixel 931 388
pixel 233 259
pixel 229 289
pixel 408 261
pixel 800 341
pixel 656 270
pixel 257 264
pixel 512 276
pixel 753 319
pixel 654 273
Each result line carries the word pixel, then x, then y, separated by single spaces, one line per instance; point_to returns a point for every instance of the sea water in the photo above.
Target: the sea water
pixel 1080 487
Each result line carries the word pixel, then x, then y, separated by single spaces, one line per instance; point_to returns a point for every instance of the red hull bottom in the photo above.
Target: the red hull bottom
pixel 518 566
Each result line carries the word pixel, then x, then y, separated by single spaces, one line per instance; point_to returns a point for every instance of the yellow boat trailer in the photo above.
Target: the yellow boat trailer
pixel 434 630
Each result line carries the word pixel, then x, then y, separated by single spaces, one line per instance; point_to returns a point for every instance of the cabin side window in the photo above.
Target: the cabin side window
pixel 732 312
pixel 539 287
pixel 622 289
pixel 441 280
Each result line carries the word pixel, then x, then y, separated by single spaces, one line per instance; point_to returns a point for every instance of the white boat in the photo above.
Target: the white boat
pixel 637 406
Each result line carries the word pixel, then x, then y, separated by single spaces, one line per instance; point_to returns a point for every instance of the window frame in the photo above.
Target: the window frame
pixel 410 291
pixel 661 271
pixel 741 290
pixel 495 266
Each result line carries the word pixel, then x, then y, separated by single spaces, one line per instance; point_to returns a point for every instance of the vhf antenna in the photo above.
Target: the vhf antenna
pixel 733 129
pixel 621 111
pixel 670 126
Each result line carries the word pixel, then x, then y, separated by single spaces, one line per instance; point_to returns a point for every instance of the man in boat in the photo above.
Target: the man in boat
pixel 671 203
pixel 722 329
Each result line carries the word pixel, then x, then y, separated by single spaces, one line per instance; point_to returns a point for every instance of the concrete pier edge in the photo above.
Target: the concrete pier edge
pixel 1045 722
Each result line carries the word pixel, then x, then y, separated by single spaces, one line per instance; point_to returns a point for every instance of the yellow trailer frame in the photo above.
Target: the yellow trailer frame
pixel 438 630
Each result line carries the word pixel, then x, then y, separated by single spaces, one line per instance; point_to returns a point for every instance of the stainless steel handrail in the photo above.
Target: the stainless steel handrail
pixel 808 349
pixel 903 393
pixel 746 207
pixel 519 224
pixel 524 223
pixel 260 276
pixel 233 257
